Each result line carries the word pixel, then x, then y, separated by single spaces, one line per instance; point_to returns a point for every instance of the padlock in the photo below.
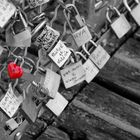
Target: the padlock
pixel 135 11
pixel 48 80
pixel 98 56
pixel 47 37
pixel 16 37
pixel 57 105
pixel 73 72
pixel 29 109
pixel 12 124
pixel 10 102
pixel 120 26
pixel 82 35
pixel 7 10
pixel 90 69
pixel 60 54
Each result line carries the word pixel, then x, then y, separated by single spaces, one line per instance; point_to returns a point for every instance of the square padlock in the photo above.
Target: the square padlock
pixel 12 124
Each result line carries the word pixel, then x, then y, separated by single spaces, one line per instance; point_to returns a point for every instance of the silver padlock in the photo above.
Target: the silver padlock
pixel 16 37
pixel 82 35
pixel 120 26
pixel 90 69
pixel 98 56
pixel 135 12
pixel 12 124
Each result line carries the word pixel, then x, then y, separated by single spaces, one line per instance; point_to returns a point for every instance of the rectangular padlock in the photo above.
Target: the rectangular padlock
pixel 47 38
pixel 81 36
pixel 73 74
pixel 60 54
pixel 90 69
pixel 135 12
pixel 120 26
pixel 49 80
pixel 12 124
pixel 98 56
pixel 10 102
pixel 57 105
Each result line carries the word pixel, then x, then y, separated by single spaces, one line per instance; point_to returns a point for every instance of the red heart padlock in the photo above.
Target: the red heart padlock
pixel 14 70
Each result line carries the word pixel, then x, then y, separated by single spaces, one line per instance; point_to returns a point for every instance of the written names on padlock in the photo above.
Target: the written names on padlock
pixel 10 102
pixel 51 82
pixel 73 74
pixel 91 70
pixel 100 57
pixel 35 3
pixel 60 53
pixel 7 10
pixel 58 104
pixel 47 38
pixel 82 36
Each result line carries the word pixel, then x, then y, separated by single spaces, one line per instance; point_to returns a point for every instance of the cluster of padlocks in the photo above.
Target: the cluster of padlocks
pixel 57 63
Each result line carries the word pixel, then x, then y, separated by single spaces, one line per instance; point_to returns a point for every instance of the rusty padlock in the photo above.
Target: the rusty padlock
pixel 120 26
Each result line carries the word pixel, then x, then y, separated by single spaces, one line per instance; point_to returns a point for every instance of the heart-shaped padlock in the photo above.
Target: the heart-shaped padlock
pixel 14 71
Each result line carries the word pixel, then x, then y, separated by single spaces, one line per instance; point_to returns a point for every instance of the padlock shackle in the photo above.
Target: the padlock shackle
pixel 112 9
pixel 81 55
pixel 38 27
pixel 84 48
pixel 125 2
pixel 79 20
pixel 67 17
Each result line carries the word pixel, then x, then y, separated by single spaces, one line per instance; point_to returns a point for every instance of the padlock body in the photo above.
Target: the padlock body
pixel 82 36
pixel 47 38
pixel 136 14
pixel 100 57
pixel 12 124
pixel 121 26
pixel 22 39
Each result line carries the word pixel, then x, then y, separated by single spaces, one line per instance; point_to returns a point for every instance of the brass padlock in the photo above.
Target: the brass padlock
pixel 135 12
pixel 19 34
pixel 98 56
pixel 120 26
pixel 82 35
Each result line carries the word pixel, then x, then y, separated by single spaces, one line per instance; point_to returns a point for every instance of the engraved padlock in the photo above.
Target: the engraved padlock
pixel 120 26
pixel 82 35
pixel 46 37
pixel 98 56
pixel 19 33
pixel 73 72
pixel 90 69
pixel 135 11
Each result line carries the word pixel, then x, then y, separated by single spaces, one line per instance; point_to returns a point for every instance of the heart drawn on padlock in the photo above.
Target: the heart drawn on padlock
pixel 14 71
